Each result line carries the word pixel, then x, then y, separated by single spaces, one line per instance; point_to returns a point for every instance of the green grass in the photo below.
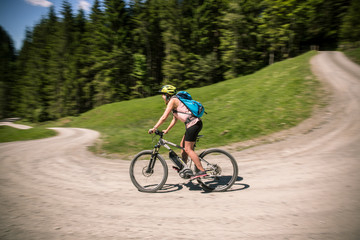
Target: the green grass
pixel 10 134
pixel 353 54
pixel 278 97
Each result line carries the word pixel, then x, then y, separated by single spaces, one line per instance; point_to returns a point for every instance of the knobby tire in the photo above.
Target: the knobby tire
pixel 227 165
pixel 148 181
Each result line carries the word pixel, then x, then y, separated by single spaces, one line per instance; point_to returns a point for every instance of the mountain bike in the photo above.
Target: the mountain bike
pixel 149 170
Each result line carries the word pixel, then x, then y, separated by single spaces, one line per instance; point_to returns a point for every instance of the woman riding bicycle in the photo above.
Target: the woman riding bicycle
pixel 193 125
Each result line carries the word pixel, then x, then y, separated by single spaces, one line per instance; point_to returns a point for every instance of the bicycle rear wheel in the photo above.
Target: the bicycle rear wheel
pixel 148 174
pixel 221 168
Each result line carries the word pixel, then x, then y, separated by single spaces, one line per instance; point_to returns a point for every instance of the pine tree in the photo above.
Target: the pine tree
pixel 47 90
pixel 116 19
pixel 328 17
pixel 29 103
pixel 147 41
pixel 240 40
pixel 35 87
pixel 205 39
pixel 94 41
pixel 23 56
pixel 113 66
pixel 81 54
pixel 170 25
pixel 7 77
pixel 276 28
pixel 350 28
pixel 66 81
pixel 139 89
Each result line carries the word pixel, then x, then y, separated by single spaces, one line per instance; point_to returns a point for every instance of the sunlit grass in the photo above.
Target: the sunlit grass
pixel 10 134
pixel 353 54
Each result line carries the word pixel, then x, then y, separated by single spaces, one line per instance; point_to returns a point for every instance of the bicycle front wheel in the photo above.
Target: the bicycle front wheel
pixel 148 173
pixel 221 168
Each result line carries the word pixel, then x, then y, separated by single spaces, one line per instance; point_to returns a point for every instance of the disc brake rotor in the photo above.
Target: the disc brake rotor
pixel 147 173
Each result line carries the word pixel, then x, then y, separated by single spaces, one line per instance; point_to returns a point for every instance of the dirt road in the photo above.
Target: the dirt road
pixel 303 187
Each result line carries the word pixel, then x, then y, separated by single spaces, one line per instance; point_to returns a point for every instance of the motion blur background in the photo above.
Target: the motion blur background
pixel 76 55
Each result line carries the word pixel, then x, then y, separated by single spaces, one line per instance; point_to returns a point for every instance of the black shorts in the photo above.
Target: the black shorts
pixel 192 132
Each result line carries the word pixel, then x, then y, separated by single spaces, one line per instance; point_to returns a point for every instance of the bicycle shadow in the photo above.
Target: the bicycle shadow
pixel 168 188
pixel 238 186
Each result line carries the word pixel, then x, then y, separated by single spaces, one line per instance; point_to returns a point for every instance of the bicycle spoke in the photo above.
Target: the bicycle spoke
pixel 145 177
pixel 221 168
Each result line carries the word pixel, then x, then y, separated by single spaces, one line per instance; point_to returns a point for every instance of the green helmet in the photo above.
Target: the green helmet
pixel 168 89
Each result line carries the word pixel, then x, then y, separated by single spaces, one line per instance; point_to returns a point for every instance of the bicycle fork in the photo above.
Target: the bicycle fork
pixel 150 167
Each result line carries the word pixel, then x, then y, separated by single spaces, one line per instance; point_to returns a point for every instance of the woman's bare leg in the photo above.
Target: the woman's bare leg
pixel 189 151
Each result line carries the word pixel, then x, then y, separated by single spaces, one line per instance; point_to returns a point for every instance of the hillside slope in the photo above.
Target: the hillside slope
pixel 275 98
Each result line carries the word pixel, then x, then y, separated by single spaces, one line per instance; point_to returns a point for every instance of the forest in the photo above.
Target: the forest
pixel 71 62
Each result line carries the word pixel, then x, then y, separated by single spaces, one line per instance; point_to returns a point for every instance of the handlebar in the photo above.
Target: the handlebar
pixel 159 133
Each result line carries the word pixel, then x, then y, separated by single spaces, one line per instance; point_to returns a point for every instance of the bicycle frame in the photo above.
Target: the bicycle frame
pixel 165 143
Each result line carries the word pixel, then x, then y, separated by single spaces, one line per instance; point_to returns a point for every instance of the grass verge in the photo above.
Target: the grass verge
pixel 353 54
pixel 10 134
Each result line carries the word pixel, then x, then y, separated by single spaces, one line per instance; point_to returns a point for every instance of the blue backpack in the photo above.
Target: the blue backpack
pixel 195 107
